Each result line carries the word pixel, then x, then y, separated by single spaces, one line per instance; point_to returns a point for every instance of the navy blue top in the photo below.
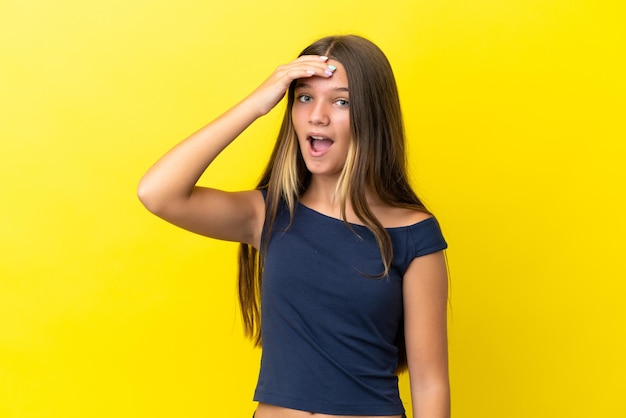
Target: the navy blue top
pixel 329 331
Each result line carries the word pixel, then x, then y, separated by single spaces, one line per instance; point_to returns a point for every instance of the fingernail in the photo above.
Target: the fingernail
pixel 328 72
pixel 323 57
pixel 331 67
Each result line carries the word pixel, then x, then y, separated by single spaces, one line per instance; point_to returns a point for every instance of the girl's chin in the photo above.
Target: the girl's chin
pixel 320 170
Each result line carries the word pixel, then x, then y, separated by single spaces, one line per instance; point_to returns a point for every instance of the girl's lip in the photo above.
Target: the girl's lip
pixel 310 134
pixel 313 152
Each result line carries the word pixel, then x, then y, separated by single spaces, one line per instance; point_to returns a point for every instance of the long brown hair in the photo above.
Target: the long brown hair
pixel 376 163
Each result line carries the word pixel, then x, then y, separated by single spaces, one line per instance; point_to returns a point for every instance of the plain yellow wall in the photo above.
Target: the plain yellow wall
pixel 515 113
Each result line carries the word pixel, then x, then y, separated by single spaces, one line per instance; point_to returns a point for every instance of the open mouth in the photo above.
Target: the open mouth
pixel 320 143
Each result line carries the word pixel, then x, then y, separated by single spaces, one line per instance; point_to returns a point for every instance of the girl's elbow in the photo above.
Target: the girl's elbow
pixel 150 198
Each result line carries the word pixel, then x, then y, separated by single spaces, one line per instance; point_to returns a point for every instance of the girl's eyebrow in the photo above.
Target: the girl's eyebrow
pixel 305 85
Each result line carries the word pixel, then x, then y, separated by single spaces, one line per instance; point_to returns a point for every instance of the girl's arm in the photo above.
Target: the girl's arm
pixel 425 319
pixel 169 188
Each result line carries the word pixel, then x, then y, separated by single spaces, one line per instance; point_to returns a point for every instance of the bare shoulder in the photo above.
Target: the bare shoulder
pixel 394 217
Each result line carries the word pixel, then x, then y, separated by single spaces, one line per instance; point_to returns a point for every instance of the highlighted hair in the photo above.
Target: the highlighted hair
pixel 376 164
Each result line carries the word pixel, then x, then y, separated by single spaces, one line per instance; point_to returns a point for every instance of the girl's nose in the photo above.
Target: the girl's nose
pixel 319 114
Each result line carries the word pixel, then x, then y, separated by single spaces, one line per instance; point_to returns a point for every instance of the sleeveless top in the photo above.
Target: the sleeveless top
pixel 328 326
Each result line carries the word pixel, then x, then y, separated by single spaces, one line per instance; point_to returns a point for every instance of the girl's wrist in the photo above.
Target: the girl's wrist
pixel 254 106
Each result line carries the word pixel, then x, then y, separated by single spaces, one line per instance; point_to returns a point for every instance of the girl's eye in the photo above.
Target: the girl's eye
pixel 303 98
pixel 342 102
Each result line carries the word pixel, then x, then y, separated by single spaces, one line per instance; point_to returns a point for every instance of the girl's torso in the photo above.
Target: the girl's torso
pixel 273 411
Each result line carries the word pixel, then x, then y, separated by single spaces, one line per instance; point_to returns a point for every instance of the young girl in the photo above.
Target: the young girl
pixel 342 273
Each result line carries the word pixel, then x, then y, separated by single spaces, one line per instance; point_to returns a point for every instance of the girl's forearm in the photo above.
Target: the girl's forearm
pixel 175 174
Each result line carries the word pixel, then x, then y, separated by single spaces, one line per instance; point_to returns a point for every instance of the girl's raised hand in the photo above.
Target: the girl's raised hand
pixel 272 90
pixel 169 188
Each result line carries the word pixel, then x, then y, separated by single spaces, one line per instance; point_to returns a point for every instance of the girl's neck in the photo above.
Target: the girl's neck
pixel 322 194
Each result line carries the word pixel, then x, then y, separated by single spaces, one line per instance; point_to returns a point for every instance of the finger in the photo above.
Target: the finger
pixel 308 72
pixel 322 58
pixel 325 70
pixel 310 68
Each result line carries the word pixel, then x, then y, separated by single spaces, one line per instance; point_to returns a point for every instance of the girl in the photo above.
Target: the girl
pixel 342 276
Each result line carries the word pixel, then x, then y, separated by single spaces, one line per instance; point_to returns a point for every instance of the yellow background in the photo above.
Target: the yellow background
pixel 515 113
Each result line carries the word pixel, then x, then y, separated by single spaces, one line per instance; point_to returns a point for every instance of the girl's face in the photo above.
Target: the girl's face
pixel 321 118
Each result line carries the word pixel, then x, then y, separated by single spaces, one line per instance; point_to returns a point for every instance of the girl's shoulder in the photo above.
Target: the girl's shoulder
pixel 396 217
